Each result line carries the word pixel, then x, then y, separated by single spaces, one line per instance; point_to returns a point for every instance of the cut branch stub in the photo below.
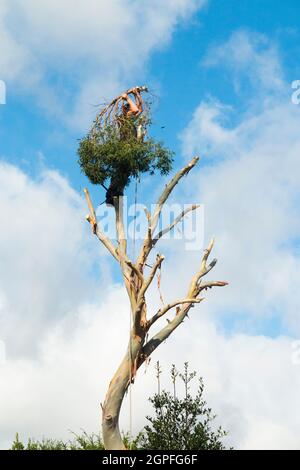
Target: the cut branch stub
pixel 91 218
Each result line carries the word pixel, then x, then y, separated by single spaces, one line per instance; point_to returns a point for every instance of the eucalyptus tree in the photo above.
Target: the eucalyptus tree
pixel 104 155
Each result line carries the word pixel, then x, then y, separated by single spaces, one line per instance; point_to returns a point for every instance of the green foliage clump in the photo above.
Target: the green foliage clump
pixel 114 152
pixel 80 442
pixel 181 423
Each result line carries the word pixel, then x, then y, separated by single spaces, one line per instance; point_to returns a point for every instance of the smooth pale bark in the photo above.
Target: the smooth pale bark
pixel 111 409
pixel 137 284
pixel 112 438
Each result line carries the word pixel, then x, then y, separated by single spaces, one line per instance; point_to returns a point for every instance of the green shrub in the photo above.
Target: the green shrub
pixel 180 423
pixel 82 441
pixel 79 442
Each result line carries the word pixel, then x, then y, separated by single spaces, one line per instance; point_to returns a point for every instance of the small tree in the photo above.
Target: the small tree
pixel 181 423
pixel 139 274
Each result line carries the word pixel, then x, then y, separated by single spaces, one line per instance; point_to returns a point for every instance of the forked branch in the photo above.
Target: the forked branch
pixel 137 285
pixel 168 189
pixel 192 297
pixel 153 221
pixel 148 281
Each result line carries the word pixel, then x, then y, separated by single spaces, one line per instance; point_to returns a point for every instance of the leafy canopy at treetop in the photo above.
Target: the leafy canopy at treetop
pixel 111 153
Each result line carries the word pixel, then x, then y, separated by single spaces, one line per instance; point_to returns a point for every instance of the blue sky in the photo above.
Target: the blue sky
pixel 174 74
pixel 177 76
pixel 222 74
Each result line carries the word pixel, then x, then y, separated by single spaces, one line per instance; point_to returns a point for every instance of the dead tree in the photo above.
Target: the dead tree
pixel 137 279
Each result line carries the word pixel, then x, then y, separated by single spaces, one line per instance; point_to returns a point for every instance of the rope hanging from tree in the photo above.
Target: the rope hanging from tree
pixel 130 315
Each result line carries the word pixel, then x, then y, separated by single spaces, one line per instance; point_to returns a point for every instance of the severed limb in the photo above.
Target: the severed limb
pixel 211 284
pixel 91 217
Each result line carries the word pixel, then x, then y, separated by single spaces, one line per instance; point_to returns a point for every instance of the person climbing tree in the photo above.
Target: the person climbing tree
pixel 130 127
pixel 133 111
pixel 103 155
pixel 116 149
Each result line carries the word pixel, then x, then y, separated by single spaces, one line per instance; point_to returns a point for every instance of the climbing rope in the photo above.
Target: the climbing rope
pixel 130 316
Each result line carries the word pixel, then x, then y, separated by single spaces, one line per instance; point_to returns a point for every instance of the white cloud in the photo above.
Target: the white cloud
pixel 46 256
pixel 249 57
pixel 248 379
pixel 206 129
pixel 92 47
pixel 251 196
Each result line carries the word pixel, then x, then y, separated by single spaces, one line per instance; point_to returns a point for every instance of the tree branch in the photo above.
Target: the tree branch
pixel 168 307
pixel 194 290
pixel 163 334
pixel 207 252
pixel 147 246
pixel 91 218
pixel 174 223
pixel 204 268
pixel 135 270
pixel 147 282
pixel 149 232
pixel 118 205
pixel 210 284
pixel 168 189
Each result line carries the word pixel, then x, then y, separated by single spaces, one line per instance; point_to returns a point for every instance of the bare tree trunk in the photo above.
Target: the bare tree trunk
pixel 118 386
pixel 140 348
pixel 112 438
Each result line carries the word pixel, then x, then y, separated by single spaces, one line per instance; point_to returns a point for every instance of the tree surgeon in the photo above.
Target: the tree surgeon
pixel 134 110
pixel 102 156
pixel 131 126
